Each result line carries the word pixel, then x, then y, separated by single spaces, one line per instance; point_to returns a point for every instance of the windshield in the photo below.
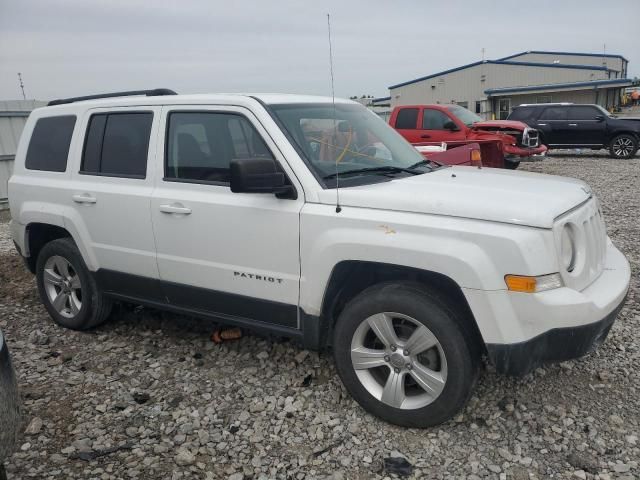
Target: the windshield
pixel 348 139
pixel 466 116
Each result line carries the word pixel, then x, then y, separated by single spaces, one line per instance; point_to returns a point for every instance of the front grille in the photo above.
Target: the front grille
pixel 595 236
pixel 530 137
pixel 590 242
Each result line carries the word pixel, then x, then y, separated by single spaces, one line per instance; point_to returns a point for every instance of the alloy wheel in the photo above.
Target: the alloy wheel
pixel 623 147
pixel 63 287
pixel 398 360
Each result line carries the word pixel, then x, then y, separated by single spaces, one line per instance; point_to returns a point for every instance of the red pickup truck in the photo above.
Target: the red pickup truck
pixel 428 124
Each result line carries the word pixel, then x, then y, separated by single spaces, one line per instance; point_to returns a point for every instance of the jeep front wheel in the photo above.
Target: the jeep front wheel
pixel 401 354
pixel 623 146
pixel 67 289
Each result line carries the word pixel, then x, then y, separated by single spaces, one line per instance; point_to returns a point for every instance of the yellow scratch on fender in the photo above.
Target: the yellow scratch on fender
pixel 387 229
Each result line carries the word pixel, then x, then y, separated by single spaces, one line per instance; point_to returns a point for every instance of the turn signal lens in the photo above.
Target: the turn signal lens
pixel 525 284
pixel 476 157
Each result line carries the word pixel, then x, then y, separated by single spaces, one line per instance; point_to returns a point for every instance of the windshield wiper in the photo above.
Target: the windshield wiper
pixel 383 170
pixel 424 162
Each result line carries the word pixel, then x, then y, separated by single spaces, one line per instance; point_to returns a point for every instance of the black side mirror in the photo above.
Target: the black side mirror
pixel 599 118
pixel 449 125
pixel 258 175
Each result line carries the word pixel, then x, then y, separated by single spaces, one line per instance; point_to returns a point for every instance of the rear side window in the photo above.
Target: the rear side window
pixel 407 118
pixel 49 145
pixel 117 144
pixel 554 113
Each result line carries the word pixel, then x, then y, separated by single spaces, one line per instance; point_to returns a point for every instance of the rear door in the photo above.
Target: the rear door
pixel 585 126
pixel 111 195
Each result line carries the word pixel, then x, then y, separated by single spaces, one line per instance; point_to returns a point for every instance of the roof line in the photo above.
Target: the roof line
pixel 381 99
pixel 578 54
pixel 500 62
pixel 558 86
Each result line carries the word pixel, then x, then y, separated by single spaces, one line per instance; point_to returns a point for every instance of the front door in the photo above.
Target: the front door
pixel 224 253
pixel 585 126
pixel 435 127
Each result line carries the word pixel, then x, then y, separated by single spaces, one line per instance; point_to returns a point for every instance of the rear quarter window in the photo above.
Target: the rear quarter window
pixel 49 144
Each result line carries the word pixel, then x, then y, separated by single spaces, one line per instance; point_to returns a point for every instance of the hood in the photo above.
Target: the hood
pixel 491 194
pixel 625 121
pixel 493 124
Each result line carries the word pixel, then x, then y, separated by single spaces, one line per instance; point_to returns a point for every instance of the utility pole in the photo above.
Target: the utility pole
pixel 24 97
pixel 483 54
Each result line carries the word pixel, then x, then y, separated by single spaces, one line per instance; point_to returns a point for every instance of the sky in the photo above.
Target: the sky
pixel 78 47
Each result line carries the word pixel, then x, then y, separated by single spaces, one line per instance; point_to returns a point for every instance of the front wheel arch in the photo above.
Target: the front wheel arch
pixel 351 277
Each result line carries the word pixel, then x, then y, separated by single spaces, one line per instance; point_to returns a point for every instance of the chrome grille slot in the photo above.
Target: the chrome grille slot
pixel 591 244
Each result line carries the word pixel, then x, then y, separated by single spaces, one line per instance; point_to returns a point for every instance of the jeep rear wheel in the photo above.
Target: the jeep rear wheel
pixel 401 354
pixel 623 146
pixel 67 289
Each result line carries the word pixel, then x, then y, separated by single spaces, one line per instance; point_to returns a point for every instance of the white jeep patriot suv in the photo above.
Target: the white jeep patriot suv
pixel 311 218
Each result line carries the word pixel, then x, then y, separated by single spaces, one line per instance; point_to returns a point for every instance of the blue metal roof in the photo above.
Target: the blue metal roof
pixel 502 62
pixel 532 88
pixel 578 54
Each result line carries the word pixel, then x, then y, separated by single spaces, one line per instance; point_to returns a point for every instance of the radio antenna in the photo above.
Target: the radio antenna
pixel 333 102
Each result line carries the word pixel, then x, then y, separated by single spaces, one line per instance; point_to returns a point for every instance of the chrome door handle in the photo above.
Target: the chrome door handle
pixel 83 198
pixel 573 124
pixel 177 208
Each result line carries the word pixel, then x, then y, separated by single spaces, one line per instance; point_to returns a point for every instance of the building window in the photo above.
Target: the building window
pixel 478 107
pixel 463 104
pixel 544 99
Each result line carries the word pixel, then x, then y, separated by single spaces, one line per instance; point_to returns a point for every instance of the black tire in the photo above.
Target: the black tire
pixel 413 300
pixel 623 146
pixel 95 308
pixel 511 165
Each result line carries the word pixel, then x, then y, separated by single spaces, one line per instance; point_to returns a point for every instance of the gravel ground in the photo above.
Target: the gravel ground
pixel 149 396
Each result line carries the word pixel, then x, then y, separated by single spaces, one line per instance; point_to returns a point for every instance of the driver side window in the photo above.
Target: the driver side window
pixel 201 145
pixel 434 119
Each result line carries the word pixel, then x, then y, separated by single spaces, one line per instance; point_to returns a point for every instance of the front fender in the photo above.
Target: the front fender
pixel 475 254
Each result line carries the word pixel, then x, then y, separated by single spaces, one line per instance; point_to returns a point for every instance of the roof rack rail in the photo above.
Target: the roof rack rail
pixel 149 93
pixel 542 104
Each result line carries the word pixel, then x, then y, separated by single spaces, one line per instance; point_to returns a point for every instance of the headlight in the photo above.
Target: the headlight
pixel 568 248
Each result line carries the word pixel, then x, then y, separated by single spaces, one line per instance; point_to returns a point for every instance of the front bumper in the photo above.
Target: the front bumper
pixel 513 153
pixel 523 330
pixel 9 410
pixel 557 345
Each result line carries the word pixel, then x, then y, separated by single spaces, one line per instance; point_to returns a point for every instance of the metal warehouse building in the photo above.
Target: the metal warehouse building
pixel 13 116
pixel 492 87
